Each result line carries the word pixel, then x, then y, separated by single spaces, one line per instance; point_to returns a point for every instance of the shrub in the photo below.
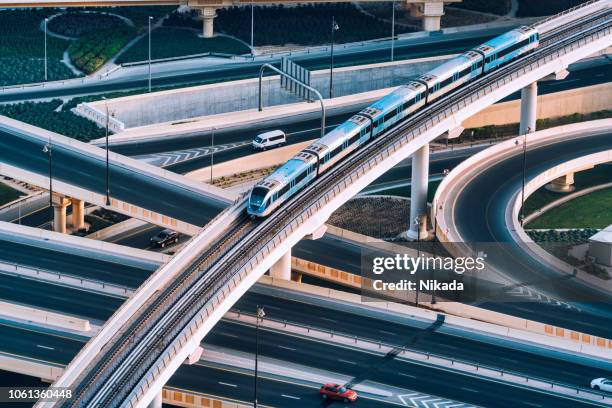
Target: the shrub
pixel 530 8
pixel 93 50
pixel 75 23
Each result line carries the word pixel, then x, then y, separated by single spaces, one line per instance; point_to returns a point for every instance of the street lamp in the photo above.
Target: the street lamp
pixel 46 21
pixel 212 152
pixel 108 202
pixel 252 24
pixel 393 31
pixel 150 18
pixel 334 28
pixel 48 150
pixel 260 315
pixel 522 216
pixel 417 221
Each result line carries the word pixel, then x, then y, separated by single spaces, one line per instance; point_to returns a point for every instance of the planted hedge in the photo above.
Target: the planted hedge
pixel 93 50
pixel 76 23
pixel 175 42
pixel 43 114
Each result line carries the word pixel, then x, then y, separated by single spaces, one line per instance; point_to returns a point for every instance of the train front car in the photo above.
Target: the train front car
pixel 508 46
pixel 269 193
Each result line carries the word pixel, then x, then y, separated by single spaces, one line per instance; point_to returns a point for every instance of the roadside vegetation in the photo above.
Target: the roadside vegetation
pixel 499 7
pixel 90 52
pixel 75 23
pixel 22 48
pixel 530 8
pixel 169 42
pixel 47 116
pixel 8 194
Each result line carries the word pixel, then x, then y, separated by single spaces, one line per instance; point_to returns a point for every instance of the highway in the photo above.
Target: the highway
pixel 195 73
pixel 485 199
pixel 59 348
pixel 126 184
pixel 90 264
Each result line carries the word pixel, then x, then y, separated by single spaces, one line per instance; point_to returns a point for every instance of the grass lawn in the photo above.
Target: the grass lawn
pixel 590 211
pixel 169 42
pixel 7 194
pixel 599 175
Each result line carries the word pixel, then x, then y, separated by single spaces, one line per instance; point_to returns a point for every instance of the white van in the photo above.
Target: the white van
pixel 269 140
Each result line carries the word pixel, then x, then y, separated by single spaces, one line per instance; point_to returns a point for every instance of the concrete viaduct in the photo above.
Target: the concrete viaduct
pixel 430 11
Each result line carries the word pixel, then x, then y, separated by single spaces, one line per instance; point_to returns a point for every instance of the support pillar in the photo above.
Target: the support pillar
pixel 529 106
pixel 563 184
pixel 208 17
pixel 418 194
pixel 157 401
pixel 78 214
pixel 59 212
pixel 282 268
pixel 430 12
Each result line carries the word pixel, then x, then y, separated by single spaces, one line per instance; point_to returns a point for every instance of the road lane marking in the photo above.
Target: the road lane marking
pixel 286 348
pixel 469 389
pixel 347 361
pixel 228 334
pixel 290 396
pixel 45 347
pixel 227 384
pixel 387 332
pixel 407 375
pixel 533 404
pixel 328 319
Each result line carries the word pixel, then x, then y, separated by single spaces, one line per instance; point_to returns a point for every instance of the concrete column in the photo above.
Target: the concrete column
pixel 59 212
pixel 282 268
pixel 157 401
pixel 418 194
pixel 430 12
pixel 529 108
pixel 563 184
pixel 208 17
pixel 78 214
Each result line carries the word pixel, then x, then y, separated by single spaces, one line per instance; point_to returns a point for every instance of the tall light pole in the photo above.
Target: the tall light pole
pixel 334 28
pixel 150 18
pixel 48 150
pixel 212 152
pixel 260 315
pixel 393 31
pixel 252 24
pixel 108 202
pixel 46 21
pixel 522 216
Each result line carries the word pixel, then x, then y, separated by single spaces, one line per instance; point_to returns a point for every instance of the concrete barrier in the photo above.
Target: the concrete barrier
pixel 44 370
pixel 39 316
pixel 190 399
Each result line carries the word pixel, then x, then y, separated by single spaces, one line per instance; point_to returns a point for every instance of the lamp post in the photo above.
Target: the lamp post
pixel 417 221
pixel 334 28
pixel 108 202
pixel 260 315
pixel 46 71
pixel 48 150
pixel 212 152
pixel 393 31
pixel 522 216
pixel 252 24
pixel 150 18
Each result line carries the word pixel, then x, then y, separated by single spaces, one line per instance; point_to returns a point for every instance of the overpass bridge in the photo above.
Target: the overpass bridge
pixel 157 329
pixel 77 172
pixel 429 10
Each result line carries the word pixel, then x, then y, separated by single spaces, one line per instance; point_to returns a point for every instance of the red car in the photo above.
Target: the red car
pixel 338 392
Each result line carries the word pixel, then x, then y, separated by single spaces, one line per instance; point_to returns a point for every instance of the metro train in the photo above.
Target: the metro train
pixel 271 192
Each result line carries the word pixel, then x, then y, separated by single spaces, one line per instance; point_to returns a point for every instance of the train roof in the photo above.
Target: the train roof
pixel 395 98
pixel 287 171
pixel 506 39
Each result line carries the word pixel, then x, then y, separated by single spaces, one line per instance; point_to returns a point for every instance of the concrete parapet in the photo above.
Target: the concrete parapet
pixel 45 317
pixel 191 399
pixel 35 368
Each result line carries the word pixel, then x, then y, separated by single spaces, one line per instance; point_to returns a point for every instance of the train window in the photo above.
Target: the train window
pixel 354 138
pixel 389 116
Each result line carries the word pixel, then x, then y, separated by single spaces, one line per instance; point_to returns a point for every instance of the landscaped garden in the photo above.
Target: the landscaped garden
pixel 90 52
pixel 168 42
pixel 530 8
pixel 7 194
pixel 63 121
pixel 22 48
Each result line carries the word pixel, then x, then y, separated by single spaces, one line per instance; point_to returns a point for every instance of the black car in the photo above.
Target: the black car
pixel 164 238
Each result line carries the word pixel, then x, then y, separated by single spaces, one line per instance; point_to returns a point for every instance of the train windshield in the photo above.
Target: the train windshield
pixel 258 196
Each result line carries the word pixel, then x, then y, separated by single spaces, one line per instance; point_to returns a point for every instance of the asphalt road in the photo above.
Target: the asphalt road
pixel 203 73
pixel 120 270
pixel 479 215
pixel 125 184
pixel 380 369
